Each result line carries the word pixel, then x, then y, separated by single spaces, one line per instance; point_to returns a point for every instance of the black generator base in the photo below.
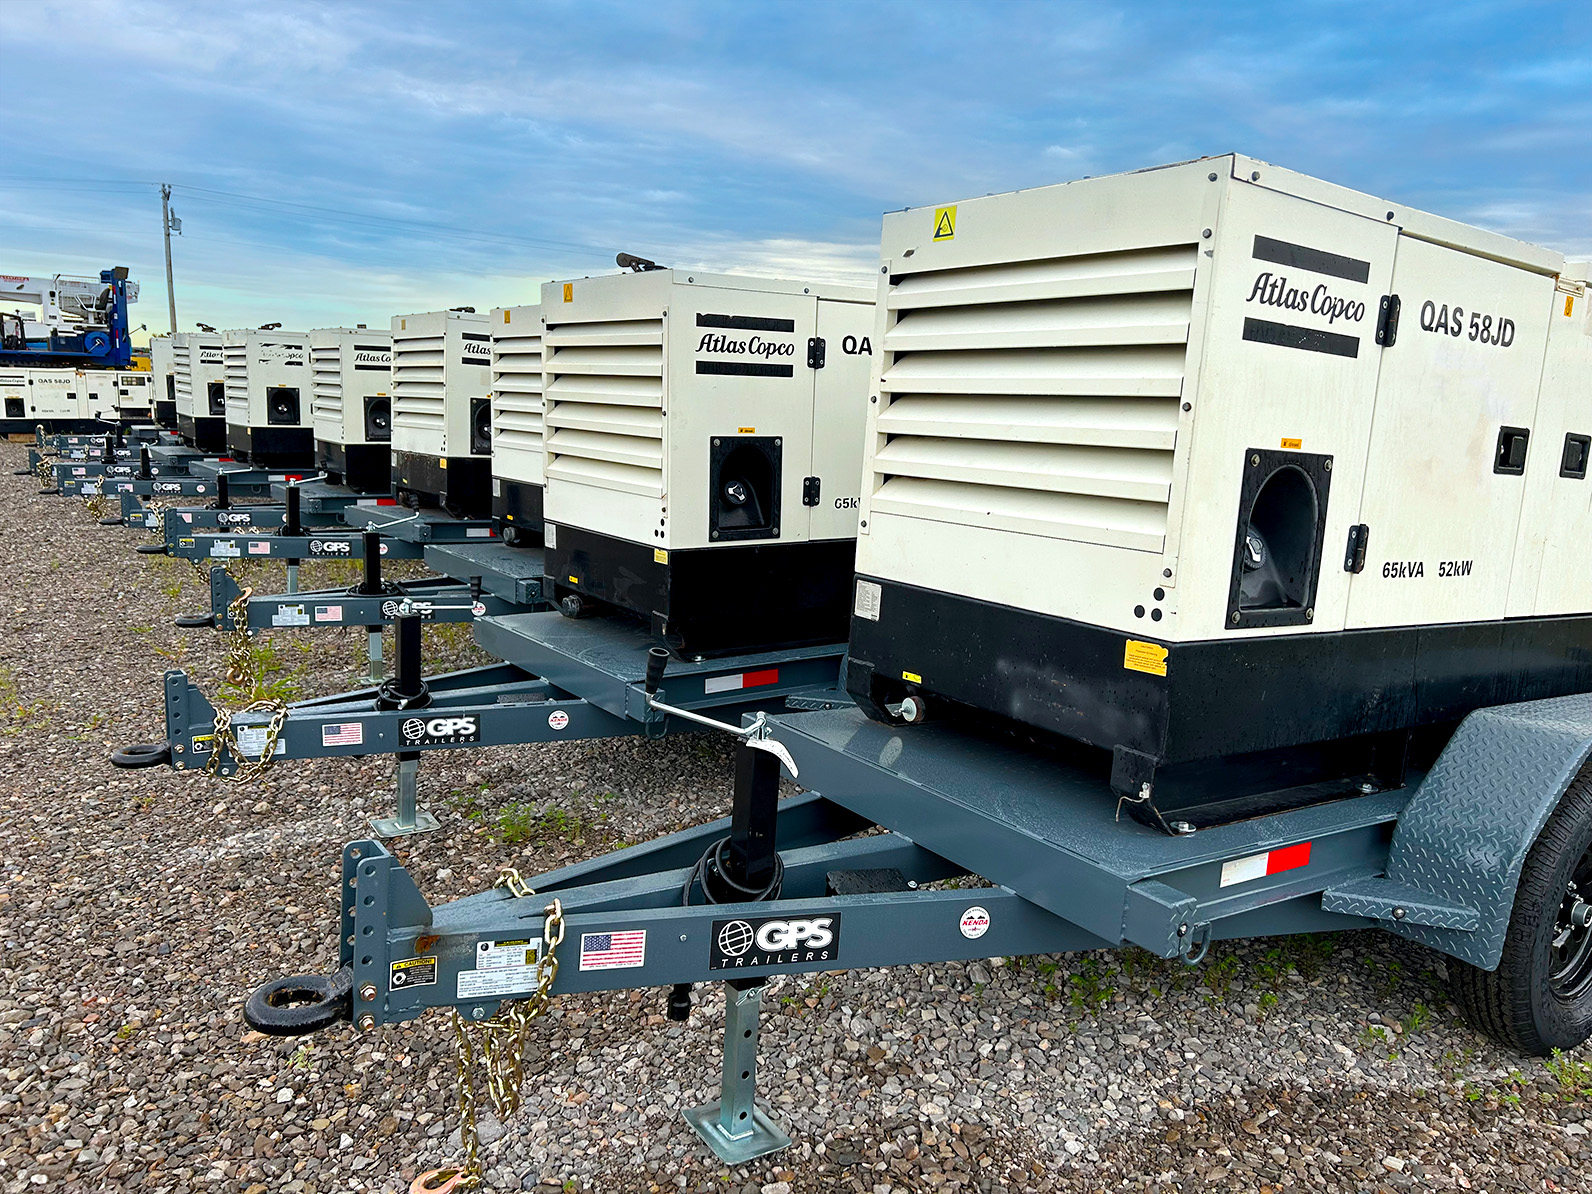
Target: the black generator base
pixel 208 435
pixel 365 468
pixel 517 506
pixel 273 447
pixel 461 485
pixel 1313 715
pixel 166 415
pixel 715 600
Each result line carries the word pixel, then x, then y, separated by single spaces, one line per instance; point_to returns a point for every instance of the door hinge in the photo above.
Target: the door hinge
pixel 815 352
pixel 1354 553
pixel 810 487
pixel 1387 321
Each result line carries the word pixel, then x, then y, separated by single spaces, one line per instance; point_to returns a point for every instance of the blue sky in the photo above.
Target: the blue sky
pixel 346 162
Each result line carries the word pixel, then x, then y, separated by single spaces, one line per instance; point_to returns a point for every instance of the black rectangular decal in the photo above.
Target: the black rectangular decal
pixel 1286 335
pixel 473 336
pixel 380 368
pixel 1317 261
pixel 745 369
pixel 746 323
pixel 774 941
pixel 430 731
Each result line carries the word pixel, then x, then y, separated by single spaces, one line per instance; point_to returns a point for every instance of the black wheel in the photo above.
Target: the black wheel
pixel 1540 997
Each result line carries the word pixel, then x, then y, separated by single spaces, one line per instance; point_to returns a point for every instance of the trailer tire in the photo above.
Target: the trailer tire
pixel 1540 997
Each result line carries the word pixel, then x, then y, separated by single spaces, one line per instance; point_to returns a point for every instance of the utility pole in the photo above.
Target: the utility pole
pixel 165 224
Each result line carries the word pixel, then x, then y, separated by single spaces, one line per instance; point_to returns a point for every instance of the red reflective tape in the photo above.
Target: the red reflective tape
pixel 386 501
pixel 1289 858
pixel 758 679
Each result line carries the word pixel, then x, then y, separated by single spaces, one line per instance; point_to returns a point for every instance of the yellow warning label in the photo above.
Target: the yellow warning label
pixel 746 431
pixel 442 462
pixel 403 325
pixel 659 556
pixel 574 580
pixel 1293 444
pixel 1144 657
pixel 569 292
pixel 505 314
pixel 945 223
pixel 1569 304
pixel 912 676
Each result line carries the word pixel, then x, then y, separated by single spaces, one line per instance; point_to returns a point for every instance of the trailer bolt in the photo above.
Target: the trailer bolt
pixel 1399 914
pixel 368 992
pixel 478 1013
pixel 912 884
pixel 1182 930
pixel 682 936
pixel 1367 787
pixel 366 1022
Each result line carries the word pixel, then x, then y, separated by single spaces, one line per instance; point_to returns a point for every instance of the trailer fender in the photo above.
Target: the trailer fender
pixel 1464 836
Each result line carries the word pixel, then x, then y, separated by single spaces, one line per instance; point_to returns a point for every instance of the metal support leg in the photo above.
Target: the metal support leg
pixel 410 819
pixel 735 1129
pixel 292 576
pixel 378 673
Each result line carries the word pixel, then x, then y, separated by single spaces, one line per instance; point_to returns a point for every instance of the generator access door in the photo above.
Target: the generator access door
pixel 1451 439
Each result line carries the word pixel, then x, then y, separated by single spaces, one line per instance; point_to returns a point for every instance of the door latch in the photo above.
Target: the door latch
pixel 1354 553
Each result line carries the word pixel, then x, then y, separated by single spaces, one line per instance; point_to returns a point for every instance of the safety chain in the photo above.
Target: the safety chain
pixel 95 504
pixel 239 673
pixel 45 470
pixel 497 1048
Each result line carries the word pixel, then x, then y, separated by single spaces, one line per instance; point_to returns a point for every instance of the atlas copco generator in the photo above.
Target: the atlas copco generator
pixel 351 406
pixel 442 416
pixel 163 368
pixel 703 438
pixel 1256 485
pixel 517 477
pixel 268 390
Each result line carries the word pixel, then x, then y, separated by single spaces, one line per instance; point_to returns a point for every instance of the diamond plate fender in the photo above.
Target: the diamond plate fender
pixel 1465 833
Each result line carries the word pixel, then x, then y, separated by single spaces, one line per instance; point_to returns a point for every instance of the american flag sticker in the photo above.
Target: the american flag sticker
pixel 343 733
pixel 613 951
pixel 328 613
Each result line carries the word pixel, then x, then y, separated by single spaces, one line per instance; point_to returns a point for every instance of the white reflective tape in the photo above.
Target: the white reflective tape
pixel 1242 870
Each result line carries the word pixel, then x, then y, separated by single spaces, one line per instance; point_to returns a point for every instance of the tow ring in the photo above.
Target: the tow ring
pixel 436 1181
pixel 300 1004
pixel 142 754
pixel 1200 946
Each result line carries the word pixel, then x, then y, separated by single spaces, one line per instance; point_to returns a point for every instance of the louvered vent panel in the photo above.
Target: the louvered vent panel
pixel 517 388
pixel 1040 396
pixel 419 388
pixel 235 372
pixel 326 389
pixel 182 370
pixel 604 404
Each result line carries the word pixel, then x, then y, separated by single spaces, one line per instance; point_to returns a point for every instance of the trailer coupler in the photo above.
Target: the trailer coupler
pixel 301 1004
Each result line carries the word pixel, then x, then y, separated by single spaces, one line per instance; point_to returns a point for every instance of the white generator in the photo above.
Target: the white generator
pixel 32 397
pixel 201 390
pixel 351 406
pixel 163 371
pixel 135 397
pixel 703 440
pixel 1221 462
pixel 268 397
pixel 517 477
pixel 442 415
pixel 95 390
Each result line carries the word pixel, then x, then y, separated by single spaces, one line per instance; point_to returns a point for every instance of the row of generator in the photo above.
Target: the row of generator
pixel 1121 460
pixel 74 399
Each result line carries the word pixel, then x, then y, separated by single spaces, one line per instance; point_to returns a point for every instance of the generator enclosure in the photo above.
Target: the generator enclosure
pixel 268 397
pixel 96 391
pixel 517 472
pixel 30 397
pixel 135 397
pixel 1234 465
pixel 703 444
pixel 163 370
pixel 442 412
pixel 201 390
pixel 351 406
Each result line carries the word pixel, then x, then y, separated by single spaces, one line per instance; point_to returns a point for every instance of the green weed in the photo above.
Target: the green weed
pixel 1574 1075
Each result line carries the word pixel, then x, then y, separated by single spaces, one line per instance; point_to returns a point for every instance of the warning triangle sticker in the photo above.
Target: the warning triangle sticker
pixel 944 223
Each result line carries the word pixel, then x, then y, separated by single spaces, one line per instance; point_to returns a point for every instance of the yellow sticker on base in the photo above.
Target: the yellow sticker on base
pixel 1293 445
pixel 945 223
pixel 913 677
pixel 659 556
pixel 1144 657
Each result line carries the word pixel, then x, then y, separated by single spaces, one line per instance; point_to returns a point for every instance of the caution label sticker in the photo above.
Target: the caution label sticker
pixel 945 223
pixel 501 955
pixel 413 972
pixel 1292 445
pixel 1144 657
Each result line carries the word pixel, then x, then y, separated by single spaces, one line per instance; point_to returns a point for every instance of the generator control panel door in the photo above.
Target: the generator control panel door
pixel 840 416
pixel 1451 439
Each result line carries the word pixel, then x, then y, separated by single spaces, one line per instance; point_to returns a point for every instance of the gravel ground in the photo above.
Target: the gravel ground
pixel 137 909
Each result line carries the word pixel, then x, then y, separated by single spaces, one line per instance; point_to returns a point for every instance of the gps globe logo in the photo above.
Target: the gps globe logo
pixel 773 942
pixel 735 938
pixel 423 731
